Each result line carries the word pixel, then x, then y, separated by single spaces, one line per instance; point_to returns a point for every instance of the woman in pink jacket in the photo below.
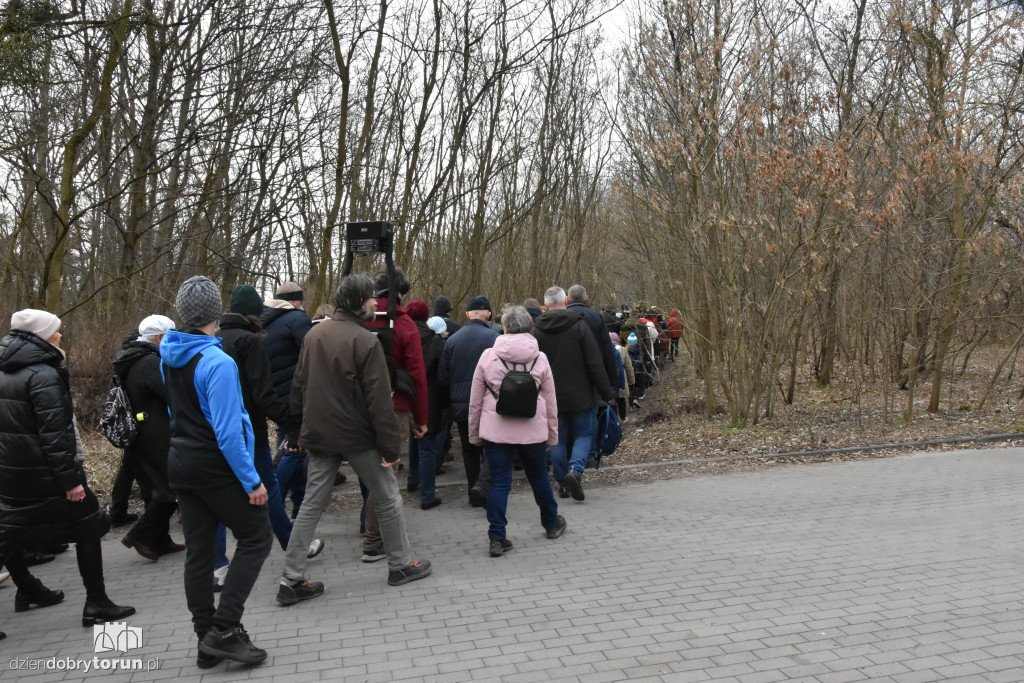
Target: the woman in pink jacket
pixel 502 437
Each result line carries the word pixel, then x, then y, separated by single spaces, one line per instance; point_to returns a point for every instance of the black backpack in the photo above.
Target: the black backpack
pixel 117 420
pixel 517 395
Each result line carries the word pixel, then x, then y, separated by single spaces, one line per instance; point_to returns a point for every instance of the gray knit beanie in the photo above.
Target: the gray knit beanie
pixel 198 302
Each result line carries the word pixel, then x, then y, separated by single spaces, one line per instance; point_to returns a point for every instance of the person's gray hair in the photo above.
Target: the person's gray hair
pixel 516 320
pixel 578 294
pixel 353 291
pixel 554 296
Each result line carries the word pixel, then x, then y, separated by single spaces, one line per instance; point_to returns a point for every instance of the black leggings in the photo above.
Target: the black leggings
pixel 90 567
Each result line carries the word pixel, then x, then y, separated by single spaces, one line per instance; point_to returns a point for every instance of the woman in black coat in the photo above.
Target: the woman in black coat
pixel 44 496
pixel 137 365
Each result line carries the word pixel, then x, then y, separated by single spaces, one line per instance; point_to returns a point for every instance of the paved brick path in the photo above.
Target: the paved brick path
pixel 903 569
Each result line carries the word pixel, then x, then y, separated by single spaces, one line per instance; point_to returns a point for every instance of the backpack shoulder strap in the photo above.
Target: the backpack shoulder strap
pixel 507 370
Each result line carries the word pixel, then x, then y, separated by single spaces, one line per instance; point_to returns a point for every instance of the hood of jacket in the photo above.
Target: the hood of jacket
pixel 273 310
pixel 131 351
pixel 178 348
pixel 558 320
pixel 237 321
pixel 20 349
pixel 516 348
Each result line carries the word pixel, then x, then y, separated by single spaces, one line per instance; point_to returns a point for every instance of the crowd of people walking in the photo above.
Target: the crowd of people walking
pixel 374 381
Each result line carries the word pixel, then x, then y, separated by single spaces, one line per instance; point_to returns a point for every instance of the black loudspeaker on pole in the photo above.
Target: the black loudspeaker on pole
pixel 366 238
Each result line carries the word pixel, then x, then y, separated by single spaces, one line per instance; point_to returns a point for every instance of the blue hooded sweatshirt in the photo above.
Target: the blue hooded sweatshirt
pixel 211 434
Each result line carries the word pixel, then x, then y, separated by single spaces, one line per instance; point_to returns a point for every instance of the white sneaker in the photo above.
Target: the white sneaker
pixel 315 548
pixel 219 574
pixel 4 575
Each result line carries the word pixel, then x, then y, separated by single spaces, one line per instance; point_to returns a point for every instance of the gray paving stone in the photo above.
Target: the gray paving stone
pixel 903 569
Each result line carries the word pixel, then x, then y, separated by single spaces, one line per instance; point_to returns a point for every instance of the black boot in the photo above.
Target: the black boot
pixel 36 594
pixel 231 643
pixel 102 610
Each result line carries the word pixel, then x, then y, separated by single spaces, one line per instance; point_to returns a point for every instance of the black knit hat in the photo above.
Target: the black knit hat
pixel 245 300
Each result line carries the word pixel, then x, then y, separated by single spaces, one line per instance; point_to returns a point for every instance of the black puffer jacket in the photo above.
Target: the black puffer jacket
pixel 595 321
pixel 38 451
pixel 138 366
pixel 565 338
pixel 244 343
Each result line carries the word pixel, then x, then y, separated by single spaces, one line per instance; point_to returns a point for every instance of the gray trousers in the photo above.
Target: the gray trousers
pixel 383 486
pixel 374 537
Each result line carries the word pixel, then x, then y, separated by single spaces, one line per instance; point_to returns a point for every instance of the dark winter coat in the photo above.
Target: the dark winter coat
pixel 137 364
pixel 595 321
pixel 242 341
pixel 39 460
pixel 285 329
pixel 342 392
pixel 461 353
pixel 575 359
pixel 433 346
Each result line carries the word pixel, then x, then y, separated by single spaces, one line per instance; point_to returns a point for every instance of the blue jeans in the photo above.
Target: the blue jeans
pixel 291 477
pixel 575 428
pixel 423 456
pixel 280 522
pixel 499 457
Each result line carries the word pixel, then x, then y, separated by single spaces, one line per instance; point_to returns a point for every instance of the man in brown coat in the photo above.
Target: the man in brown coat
pixel 342 393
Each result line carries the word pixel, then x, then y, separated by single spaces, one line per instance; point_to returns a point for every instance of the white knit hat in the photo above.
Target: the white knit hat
pixel 40 323
pixel 437 324
pixel 155 325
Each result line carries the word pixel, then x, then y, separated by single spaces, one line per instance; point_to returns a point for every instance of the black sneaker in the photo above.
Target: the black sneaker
pixel 562 491
pixel 204 661
pixel 432 503
pixel 499 548
pixel 477 497
pixel 300 590
pixel 415 571
pixel 559 527
pixel 574 481
pixel 231 643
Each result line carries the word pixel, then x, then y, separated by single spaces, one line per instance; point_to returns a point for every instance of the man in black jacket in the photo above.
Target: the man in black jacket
pixel 137 365
pixel 575 360
pixel 461 353
pixel 240 332
pixel 576 300
pixel 286 325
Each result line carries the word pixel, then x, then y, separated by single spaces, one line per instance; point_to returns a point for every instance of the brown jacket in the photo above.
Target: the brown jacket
pixel 342 391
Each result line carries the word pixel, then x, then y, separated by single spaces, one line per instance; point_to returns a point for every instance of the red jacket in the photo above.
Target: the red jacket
pixel 675 325
pixel 407 353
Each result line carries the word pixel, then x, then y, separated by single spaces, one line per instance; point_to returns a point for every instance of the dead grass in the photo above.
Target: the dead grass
pixel 671 425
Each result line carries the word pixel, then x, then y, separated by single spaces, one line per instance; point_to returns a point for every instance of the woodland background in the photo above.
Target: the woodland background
pixel 810 183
